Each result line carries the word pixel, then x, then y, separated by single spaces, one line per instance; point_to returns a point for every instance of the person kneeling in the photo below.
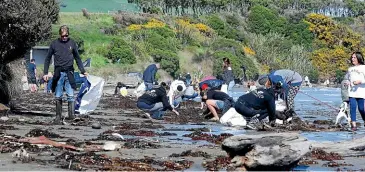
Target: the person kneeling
pixel 258 104
pixel 155 102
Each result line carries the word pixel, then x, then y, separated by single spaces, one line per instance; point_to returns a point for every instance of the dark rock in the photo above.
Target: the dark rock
pixel 191 153
pixel 39 132
pixel 273 151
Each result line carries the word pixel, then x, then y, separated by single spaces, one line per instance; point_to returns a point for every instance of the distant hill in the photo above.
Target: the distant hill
pixel 96 5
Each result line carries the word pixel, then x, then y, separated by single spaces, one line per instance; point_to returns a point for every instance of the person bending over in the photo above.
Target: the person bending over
pixel 149 75
pixel 259 103
pixel 293 81
pixel 216 100
pixel 177 90
pixel 155 102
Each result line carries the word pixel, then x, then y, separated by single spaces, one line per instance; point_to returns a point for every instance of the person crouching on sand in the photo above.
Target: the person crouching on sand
pixel 155 102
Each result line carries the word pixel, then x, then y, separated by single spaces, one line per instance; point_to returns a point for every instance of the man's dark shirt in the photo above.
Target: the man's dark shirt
pixel 217 95
pixel 156 95
pixel 64 52
pixel 261 99
pixel 31 69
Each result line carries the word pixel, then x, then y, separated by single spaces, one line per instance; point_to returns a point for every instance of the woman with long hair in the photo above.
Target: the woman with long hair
pixel 228 76
pixel 357 87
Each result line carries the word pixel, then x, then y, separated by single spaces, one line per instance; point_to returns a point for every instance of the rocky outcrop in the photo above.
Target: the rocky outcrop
pixel 272 151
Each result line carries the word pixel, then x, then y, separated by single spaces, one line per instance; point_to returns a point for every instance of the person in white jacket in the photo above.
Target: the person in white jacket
pixel 357 87
pixel 177 90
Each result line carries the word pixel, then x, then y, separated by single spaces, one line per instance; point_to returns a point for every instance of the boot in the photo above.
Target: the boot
pixel 71 110
pixel 57 120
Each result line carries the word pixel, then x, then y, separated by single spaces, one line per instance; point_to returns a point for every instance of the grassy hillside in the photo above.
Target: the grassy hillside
pixel 262 40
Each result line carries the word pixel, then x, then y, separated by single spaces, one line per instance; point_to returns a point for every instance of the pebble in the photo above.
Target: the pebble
pixel 96 125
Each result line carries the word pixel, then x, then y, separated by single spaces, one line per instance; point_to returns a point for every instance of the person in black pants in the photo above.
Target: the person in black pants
pixel 65 51
pixel 155 102
pixel 259 103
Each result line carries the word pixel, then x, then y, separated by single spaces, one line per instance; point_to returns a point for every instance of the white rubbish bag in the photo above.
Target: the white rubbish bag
pixel 141 89
pixel 91 98
pixel 224 88
pixel 280 105
pixel 233 118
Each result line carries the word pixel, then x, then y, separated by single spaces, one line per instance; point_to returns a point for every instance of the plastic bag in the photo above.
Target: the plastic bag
pixel 280 105
pixel 224 88
pixel 123 91
pixel 141 89
pixel 233 118
pixel 91 98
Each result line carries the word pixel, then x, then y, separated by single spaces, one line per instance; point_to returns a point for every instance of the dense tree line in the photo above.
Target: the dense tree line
pixel 338 8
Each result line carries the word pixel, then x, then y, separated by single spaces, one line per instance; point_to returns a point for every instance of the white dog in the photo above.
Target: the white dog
pixel 343 114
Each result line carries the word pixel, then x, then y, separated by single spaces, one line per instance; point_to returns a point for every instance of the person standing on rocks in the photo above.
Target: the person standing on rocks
pixel 65 51
pixel 356 76
pixel 155 102
pixel 32 69
pixel 149 75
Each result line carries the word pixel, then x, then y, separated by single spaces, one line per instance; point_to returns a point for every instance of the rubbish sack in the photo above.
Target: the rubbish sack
pixel 233 118
pixel 89 95
pixel 224 88
pixel 140 90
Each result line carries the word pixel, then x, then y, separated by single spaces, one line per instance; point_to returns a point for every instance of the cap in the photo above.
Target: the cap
pixel 263 79
pixel 205 86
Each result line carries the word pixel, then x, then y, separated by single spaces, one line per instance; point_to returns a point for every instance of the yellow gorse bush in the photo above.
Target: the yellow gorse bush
pixel 248 51
pixel 153 23
pixel 198 26
pixel 134 27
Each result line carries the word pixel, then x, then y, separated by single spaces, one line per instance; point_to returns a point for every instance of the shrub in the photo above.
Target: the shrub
pixel 263 20
pixel 157 41
pixel 168 59
pixel 119 51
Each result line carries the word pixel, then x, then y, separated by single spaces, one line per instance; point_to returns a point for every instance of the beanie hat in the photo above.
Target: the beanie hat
pixel 179 88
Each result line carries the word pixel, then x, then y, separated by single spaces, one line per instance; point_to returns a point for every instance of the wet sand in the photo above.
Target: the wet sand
pixel 147 145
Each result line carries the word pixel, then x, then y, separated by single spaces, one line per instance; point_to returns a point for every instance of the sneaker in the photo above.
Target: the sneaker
pixel 251 126
pixel 146 115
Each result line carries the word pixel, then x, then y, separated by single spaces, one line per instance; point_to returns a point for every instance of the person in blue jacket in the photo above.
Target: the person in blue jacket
pixel 291 81
pixel 149 75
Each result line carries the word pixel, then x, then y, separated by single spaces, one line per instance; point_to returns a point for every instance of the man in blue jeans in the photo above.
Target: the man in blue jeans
pixel 65 51
pixel 149 75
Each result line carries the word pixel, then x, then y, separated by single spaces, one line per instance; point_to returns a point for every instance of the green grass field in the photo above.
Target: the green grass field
pixel 102 6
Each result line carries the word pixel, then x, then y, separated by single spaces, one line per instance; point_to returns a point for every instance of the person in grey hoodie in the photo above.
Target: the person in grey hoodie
pixel 228 76
pixel 294 81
